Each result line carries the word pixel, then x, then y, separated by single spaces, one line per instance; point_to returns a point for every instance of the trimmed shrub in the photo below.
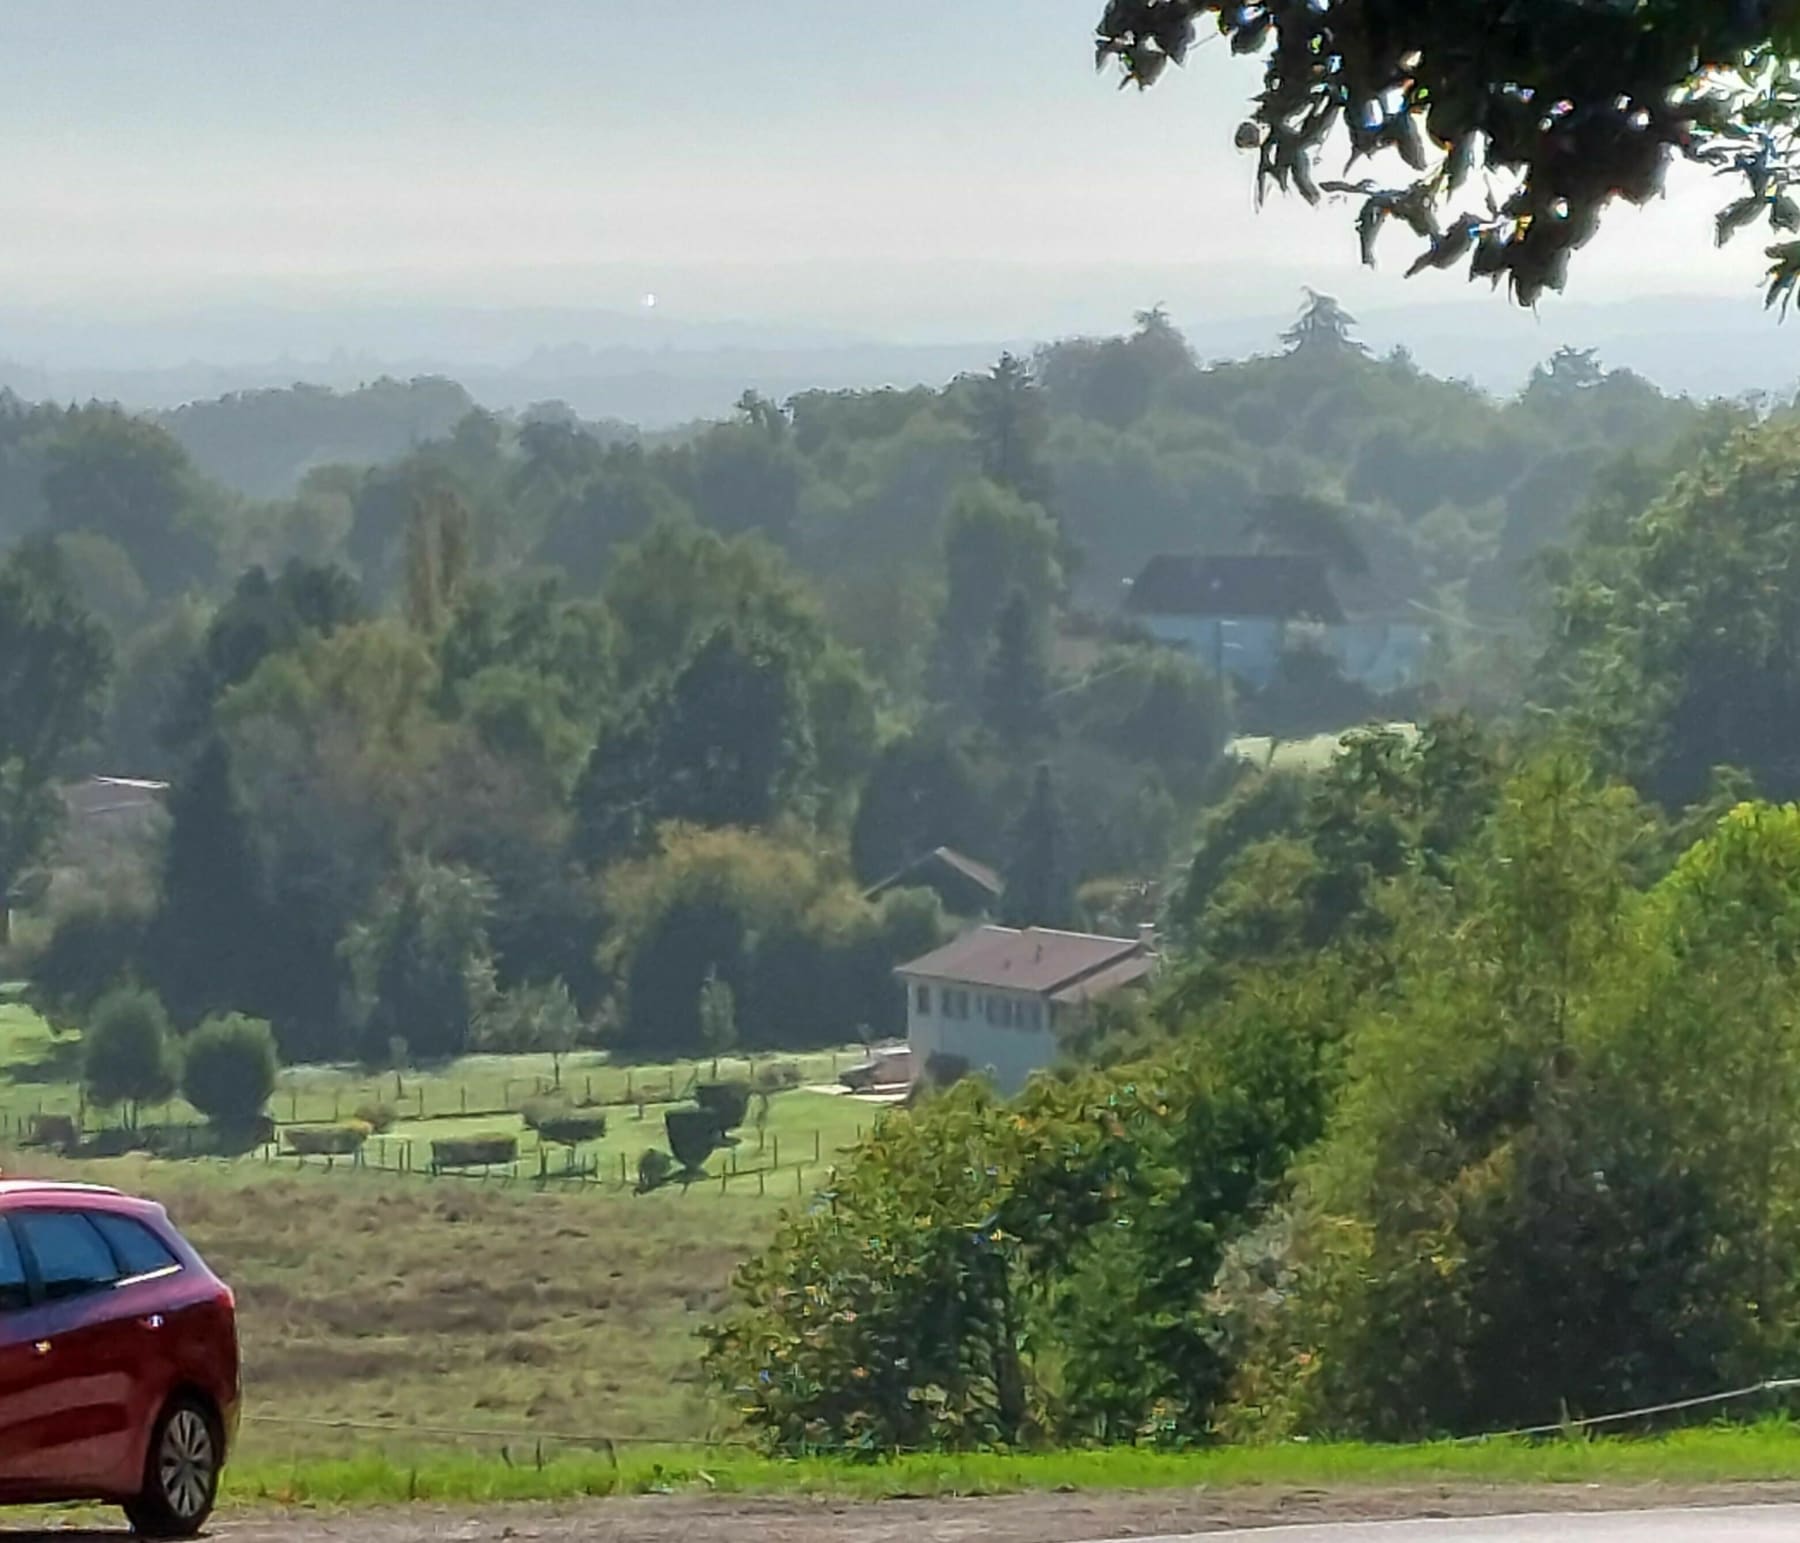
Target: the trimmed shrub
pixel 729 1102
pixel 655 1169
pixel 778 1076
pixel 571 1128
pixel 474 1151
pixel 54 1130
pixel 378 1117
pixel 545 1106
pixel 341 1140
pixel 694 1136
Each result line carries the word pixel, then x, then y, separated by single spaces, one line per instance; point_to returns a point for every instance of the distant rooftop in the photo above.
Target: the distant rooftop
pixel 1286 586
pixel 1039 959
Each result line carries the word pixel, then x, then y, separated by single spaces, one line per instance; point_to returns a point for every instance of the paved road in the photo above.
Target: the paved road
pixel 1713 1524
pixel 1742 1514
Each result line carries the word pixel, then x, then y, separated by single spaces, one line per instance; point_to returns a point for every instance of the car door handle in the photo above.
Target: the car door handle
pixel 42 1347
pixel 154 1321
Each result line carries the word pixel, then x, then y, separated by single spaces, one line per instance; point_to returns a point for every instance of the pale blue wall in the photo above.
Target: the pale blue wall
pixel 1382 655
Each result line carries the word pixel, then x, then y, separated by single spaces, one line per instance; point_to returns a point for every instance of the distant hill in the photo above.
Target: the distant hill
pixel 264 442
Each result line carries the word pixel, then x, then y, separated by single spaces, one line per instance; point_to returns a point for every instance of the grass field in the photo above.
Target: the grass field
pixel 493 1301
pixel 1768 1451
pixel 367 1297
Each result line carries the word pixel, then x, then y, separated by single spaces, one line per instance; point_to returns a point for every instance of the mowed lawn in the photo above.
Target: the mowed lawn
pixel 367 1297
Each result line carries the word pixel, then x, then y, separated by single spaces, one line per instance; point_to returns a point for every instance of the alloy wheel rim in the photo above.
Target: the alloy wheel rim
pixel 186 1464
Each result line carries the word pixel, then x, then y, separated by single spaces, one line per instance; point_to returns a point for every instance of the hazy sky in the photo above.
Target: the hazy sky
pixel 935 168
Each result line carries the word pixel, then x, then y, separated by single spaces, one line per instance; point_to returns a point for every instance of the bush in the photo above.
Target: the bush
pixel 570 1128
pixel 55 1130
pixel 377 1116
pixel 694 1136
pixel 655 1169
pixel 474 1151
pixel 778 1076
pixel 341 1140
pixel 228 1070
pixel 549 1106
pixel 125 1054
pixel 729 1102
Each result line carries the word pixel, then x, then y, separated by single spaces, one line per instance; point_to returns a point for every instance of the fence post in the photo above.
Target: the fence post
pixel 815 1144
pixel 775 1141
pixel 293 1106
pixel 762 1181
pixel 421 1091
pixel 336 1108
pixel 799 1178
pixel 621 1169
pixel 724 1174
pixel 463 1094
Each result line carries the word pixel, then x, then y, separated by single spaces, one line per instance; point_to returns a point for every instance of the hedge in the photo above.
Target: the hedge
pixel 474 1151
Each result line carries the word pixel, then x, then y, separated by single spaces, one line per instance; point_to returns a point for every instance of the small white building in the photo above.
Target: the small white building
pixel 995 1000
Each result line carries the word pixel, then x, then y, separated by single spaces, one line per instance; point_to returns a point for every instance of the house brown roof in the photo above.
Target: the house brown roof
pixel 1038 959
pixel 1127 972
pixel 1288 586
pixel 978 874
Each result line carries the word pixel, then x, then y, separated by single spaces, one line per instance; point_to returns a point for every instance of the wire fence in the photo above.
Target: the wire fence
pixel 767 1166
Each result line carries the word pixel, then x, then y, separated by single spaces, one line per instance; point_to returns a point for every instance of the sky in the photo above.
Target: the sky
pixel 933 170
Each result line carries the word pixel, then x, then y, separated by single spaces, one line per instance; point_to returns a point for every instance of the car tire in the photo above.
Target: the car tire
pixel 181 1472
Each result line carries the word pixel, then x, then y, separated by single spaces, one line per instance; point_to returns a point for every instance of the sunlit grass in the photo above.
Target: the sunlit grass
pixel 1715 1454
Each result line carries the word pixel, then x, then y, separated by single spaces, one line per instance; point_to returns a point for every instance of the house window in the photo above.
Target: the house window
pixel 1037 1015
pixel 923 995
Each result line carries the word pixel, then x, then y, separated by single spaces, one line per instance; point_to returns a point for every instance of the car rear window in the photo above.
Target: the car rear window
pixel 13 1291
pixel 71 1256
pixel 140 1251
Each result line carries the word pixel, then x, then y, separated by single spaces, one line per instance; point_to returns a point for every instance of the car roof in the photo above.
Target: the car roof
pixel 19 1189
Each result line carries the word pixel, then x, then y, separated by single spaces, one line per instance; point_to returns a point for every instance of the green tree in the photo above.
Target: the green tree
pixel 923 792
pixel 54 662
pixel 112 475
pixel 994 543
pixel 1322 330
pixel 418 961
pixel 727 739
pixel 1004 410
pixel 718 1015
pixel 1017 685
pixel 1629 90
pixel 1671 641
pixel 531 1019
pixel 1039 886
pixel 264 617
pixel 228 1070
pixel 126 1056
pixel 215 927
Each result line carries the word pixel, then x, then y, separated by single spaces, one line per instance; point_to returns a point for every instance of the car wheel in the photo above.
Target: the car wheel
pixel 181 1474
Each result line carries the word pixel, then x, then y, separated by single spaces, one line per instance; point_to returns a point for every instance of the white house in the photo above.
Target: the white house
pixel 994 1000
pixel 1236 615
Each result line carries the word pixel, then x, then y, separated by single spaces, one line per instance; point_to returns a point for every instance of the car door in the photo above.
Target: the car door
pixel 85 1346
pixel 25 1393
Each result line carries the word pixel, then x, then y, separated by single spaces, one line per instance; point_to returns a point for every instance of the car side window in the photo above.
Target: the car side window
pixel 71 1256
pixel 15 1291
pixel 139 1250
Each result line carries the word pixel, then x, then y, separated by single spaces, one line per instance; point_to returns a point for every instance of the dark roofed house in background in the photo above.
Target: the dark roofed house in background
pixel 966 887
pixel 1237 614
pixel 996 999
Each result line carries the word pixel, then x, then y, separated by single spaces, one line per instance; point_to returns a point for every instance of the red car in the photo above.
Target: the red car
pixel 118 1358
